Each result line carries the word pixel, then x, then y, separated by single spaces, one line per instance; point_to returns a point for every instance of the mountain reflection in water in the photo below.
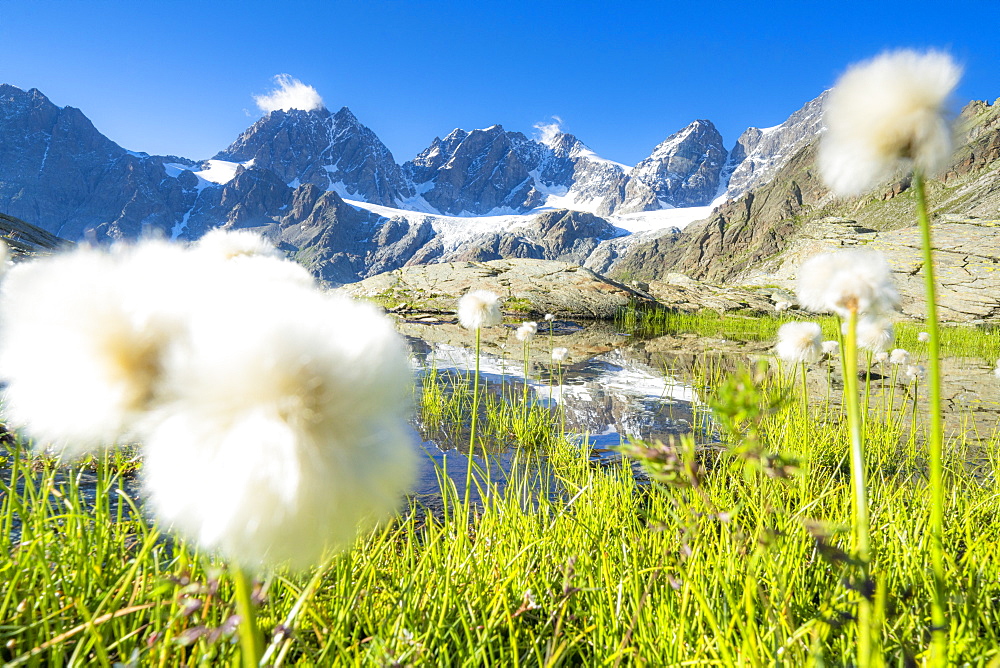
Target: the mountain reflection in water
pixel 605 395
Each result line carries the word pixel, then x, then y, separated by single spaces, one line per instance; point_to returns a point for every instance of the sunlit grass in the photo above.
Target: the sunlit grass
pixel 957 340
pixel 726 562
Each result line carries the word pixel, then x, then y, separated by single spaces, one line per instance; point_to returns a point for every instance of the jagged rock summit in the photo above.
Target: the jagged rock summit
pixel 62 174
pixel 333 151
pixel 683 170
pixel 327 191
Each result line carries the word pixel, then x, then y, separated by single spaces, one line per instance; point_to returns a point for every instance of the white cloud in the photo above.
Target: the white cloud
pixel 290 93
pixel 546 132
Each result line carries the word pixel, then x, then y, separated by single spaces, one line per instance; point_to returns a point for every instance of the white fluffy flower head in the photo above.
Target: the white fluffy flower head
pixel 284 434
pixel 799 342
pixel 899 356
pixel 83 339
pixel 885 113
pixel 526 331
pixel 830 347
pixel 782 306
pixel 874 334
pixel 228 244
pixel 256 259
pixel 479 308
pixel 559 354
pixel 923 337
pixel 842 281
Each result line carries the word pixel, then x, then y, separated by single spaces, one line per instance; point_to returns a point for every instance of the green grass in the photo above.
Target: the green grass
pixel 976 341
pixel 732 555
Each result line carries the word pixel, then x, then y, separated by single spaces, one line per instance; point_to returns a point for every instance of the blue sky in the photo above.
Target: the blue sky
pixel 179 77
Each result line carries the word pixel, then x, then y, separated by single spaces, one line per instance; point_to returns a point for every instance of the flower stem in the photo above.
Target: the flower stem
pixel 472 428
pixel 524 400
pixel 861 519
pixel 939 623
pixel 805 394
pixel 251 642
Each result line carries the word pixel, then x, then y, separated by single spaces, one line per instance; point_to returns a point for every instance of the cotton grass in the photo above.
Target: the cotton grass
pixel 228 244
pixel 884 114
pixel 526 331
pixel 81 347
pixel 899 356
pixel 842 281
pixel 284 434
pixel 478 309
pixel 875 334
pixel 273 417
pixel 799 342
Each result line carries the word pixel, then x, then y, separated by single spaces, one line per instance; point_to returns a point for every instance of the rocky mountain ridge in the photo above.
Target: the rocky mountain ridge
pixel 60 172
pixel 763 236
pixel 325 188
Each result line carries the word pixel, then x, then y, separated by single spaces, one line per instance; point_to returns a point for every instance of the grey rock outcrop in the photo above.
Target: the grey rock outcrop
pixel 25 239
pixel 681 293
pixel 966 256
pixel 252 198
pixel 569 236
pixel 340 243
pixel 529 287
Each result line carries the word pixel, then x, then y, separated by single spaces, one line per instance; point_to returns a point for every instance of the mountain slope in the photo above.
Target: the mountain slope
pixel 744 239
pixel 58 172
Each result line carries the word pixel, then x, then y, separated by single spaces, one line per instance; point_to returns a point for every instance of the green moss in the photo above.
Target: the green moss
pixel 519 305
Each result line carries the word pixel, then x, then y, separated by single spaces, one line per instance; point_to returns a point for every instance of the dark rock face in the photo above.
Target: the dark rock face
pixel 477 172
pixel 342 244
pixel 493 170
pixel 253 198
pixel 569 236
pixel 684 170
pixel 24 239
pixel 58 172
pixel 333 151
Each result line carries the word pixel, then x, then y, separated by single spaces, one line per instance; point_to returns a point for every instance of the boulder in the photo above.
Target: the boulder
pixel 528 287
